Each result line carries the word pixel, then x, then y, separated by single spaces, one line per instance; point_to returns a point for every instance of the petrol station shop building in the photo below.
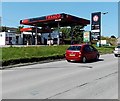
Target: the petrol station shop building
pixel 42 28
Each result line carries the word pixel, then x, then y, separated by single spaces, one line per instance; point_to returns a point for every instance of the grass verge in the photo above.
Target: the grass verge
pixel 16 55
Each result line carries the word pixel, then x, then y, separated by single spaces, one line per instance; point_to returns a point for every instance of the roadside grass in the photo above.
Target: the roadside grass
pixel 42 51
pixel 105 49
pixel 31 52
pixel 15 55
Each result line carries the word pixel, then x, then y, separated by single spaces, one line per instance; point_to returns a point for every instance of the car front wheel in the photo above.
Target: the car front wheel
pixel 116 55
pixel 97 57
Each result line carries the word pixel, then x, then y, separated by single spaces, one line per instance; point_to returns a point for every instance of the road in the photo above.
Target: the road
pixel 63 80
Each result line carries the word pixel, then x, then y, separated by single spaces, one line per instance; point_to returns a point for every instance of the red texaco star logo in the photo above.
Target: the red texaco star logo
pixel 95 18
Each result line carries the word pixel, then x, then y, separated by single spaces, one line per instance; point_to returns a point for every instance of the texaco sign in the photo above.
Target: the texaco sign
pixel 96 25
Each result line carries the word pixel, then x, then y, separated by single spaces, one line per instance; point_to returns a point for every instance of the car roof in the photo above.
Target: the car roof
pixel 79 44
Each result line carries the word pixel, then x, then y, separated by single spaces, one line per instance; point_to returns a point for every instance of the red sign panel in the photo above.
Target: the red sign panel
pixel 24 21
pixel 51 17
pixel 25 29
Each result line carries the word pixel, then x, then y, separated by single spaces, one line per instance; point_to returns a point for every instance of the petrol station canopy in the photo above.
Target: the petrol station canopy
pixel 55 19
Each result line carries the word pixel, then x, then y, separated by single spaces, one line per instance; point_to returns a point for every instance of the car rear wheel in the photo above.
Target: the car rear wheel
pixel 68 60
pixel 84 60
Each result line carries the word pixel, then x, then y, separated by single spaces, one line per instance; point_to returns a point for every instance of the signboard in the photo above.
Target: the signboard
pixel 86 36
pixel 96 18
pixel 96 25
pixel 51 17
pixel 95 35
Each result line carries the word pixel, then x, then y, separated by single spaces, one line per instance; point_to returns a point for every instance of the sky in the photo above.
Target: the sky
pixel 13 12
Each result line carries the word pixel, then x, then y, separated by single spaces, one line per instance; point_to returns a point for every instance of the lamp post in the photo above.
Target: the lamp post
pixel 101 26
pixel 104 13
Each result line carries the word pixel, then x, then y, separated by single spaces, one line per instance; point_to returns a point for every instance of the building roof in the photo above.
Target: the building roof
pixel 8 29
pixel 118 40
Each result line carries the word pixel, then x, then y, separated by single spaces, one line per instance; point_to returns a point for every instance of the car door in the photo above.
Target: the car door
pixel 94 52
pixel 87 52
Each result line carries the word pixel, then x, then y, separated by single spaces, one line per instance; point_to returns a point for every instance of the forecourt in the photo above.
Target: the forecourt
pixel 63 80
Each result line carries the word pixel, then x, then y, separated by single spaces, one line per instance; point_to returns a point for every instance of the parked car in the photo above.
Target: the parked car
pixel 82 53
pixel 117 51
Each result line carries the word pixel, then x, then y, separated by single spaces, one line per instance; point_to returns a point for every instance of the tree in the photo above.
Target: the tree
pixel 78 34
pixel 18 29
pixel 3 29
pixel 113 36
pixel 66 32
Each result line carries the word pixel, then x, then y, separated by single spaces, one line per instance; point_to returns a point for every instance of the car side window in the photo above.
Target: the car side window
pixel 118 46
pixel 86 48
pixel 91 48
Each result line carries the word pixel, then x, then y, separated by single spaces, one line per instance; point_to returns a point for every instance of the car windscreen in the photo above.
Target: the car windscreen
pixel 118 46
pixel 74 48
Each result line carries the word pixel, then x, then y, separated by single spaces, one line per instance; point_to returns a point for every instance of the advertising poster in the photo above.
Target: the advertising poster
pixel 86 37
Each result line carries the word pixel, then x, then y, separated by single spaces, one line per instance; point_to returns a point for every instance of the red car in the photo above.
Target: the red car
pixel 81 52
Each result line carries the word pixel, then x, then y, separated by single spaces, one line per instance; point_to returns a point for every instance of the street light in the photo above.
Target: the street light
pixel 104 13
